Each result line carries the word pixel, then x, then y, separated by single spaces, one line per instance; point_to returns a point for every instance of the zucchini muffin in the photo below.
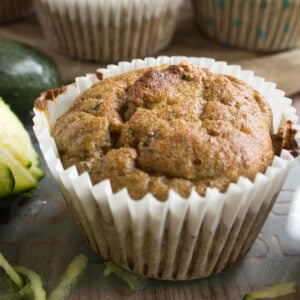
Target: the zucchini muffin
pixel 108 31
pixel 260 25
pixel 170 168
pixel 172 127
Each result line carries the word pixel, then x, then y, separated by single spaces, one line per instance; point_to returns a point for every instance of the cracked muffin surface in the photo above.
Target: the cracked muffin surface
pixel 170 127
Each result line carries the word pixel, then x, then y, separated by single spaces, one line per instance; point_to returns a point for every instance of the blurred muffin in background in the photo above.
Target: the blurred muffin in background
pixel 108 31
pixel 259 25
pixel 11 10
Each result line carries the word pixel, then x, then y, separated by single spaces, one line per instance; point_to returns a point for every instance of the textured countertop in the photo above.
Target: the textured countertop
pixel 39 232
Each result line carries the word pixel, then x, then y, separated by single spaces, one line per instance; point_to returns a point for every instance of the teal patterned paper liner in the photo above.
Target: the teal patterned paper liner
pixel 177 239
pixel 263 25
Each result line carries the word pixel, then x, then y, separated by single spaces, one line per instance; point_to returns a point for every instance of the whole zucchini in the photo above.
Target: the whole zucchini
pixel 25 72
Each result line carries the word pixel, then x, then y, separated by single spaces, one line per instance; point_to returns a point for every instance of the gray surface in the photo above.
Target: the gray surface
pixel 39 233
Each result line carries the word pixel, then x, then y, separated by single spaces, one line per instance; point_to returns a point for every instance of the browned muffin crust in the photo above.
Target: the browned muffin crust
pixel 175 126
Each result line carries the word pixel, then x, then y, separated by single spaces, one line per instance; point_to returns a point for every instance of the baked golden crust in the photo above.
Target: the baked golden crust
pixel 175 126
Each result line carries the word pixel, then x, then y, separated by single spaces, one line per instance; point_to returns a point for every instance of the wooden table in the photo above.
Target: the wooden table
pixel 22 227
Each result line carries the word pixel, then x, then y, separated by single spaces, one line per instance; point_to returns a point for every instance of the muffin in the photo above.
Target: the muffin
pixel 170 166
pixel 108 31
pixel 11 10
pixel 260 25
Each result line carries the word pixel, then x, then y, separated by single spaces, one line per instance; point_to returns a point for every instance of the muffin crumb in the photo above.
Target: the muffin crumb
pixel 169 127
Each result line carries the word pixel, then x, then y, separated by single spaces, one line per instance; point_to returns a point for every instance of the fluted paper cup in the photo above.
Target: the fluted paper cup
pixel 11 10
pixel 268 25
pixel 108 31
pixel 176 239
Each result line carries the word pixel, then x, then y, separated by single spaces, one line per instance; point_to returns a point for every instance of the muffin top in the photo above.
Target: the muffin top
pixel 170 127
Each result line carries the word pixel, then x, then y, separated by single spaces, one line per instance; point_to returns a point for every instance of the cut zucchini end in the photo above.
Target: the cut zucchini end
pixel 20 159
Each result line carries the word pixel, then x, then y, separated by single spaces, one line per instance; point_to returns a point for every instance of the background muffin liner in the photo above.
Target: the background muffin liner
pixel 264 25
pixel 11 10
pixel 108 31
pixel 179 238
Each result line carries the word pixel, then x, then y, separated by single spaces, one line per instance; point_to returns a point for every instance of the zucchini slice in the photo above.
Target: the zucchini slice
pixel 7 181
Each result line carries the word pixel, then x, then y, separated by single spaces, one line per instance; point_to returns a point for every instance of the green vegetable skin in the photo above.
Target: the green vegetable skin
pixel 19 162
pixel 25 73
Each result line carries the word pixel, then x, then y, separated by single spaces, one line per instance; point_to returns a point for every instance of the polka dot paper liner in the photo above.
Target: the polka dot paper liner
pixel 263 25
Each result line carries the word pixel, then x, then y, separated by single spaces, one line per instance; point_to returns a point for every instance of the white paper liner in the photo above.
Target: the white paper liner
pixel 108 31
pixel 11 10
pixel 268 25
pixel 179 238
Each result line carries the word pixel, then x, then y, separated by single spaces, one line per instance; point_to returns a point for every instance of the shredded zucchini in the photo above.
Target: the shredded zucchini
pixel 35 281
pixel 136 282
pixel 69 278
pixel 30 286
pixel 14 276
pixel 281 289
